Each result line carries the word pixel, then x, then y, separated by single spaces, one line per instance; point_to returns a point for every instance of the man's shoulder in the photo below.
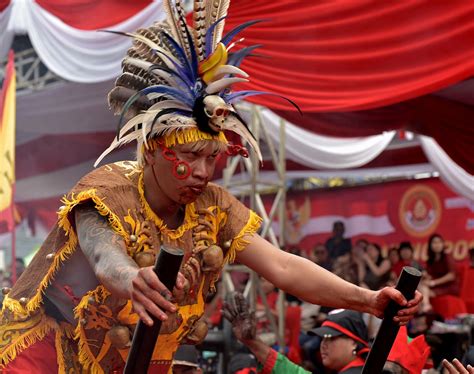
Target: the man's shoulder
pixel 118 174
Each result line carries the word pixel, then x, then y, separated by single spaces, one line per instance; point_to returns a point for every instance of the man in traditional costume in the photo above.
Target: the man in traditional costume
pixel 75 307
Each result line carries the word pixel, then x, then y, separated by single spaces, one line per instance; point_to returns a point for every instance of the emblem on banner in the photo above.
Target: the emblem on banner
pixel 420 211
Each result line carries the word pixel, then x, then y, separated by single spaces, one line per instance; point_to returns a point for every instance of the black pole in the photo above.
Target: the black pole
pixel 144 339
pixel 407 284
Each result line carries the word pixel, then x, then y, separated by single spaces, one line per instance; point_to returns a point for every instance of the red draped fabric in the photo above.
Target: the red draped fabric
pixel 353 55
pixel 91 15
pixel 362 67
pixel 4 4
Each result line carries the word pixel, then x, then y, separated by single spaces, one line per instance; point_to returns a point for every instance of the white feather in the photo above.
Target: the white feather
pixel 220 84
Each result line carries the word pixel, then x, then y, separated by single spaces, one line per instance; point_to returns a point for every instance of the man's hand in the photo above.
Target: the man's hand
pixel 456 367
pixel 150 296
pixel 236 311
pixel 381 299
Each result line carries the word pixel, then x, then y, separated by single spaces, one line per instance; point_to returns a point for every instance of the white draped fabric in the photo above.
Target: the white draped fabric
pixel 324 152
pixel 454 176
pixel 73 54
pixel 6 31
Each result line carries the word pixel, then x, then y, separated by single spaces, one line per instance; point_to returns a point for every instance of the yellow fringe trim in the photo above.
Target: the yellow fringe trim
pixel 185 136
pixel 85 356
pixel 31 336
pixel 190 216
pixel 69 247
pixel 239 243
pixel 59 352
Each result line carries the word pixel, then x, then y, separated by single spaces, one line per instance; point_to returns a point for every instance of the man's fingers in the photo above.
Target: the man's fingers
pixel 408 311
pixel 396 296
pixel 232 312
pixel 227 315
pixel 144 316
pixel 150 286
pixel 241 303
pixel 180 281
pixel 455 367
pixel 416 300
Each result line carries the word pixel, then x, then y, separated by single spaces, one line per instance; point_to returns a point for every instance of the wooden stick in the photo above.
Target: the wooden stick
pixel 144 339
pixel 407 284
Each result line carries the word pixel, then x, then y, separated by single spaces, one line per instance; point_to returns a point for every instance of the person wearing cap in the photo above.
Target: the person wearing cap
pixel 185 360
pixel 75 308
pixel 345 341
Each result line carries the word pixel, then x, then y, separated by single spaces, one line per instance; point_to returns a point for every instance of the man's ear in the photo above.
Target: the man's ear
pixel 149 156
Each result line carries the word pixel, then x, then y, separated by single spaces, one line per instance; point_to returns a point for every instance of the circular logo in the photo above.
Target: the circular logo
pixel 420 211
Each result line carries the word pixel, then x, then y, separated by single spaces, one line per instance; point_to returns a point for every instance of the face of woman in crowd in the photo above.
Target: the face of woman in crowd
pixel 337 352
pixel 437 244
pixel 373 252
pixel 406 254
pixel 393 256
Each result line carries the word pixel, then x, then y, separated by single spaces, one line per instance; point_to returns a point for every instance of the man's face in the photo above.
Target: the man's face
pixel 338 230
pixel 202 163
pixel 336 352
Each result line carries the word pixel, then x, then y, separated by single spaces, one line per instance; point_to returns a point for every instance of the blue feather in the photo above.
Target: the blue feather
pixel 230 35
pixel 182 72
pixel 169 91
pixel 236 96
pixel 181 53
pixel 192 50
pixel 185 83
pixel 236 58
pixel 209 36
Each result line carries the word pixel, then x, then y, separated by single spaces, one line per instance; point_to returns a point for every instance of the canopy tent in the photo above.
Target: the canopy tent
pixel 357 69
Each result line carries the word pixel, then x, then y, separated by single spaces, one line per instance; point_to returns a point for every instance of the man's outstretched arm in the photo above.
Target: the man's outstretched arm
pixel 310 282
pixel 107 255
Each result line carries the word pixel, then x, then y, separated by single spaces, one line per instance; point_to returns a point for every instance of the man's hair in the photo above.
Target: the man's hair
pixel 197 146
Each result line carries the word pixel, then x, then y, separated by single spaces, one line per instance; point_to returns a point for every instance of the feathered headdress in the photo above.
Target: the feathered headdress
pixel 176 79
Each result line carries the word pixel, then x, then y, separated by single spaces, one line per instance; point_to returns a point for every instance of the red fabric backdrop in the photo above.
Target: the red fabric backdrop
pixel 353 55
pixel 91 15
pixel 4 4
pixel 362 67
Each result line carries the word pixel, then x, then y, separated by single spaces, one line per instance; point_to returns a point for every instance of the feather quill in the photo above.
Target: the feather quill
pixel 172 21
pixel 199 25
pixel 216 9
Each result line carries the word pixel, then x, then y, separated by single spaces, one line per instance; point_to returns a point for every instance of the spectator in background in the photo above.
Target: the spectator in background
pixel 346 268
pixel 320 256
pixel 405 252
pixel 186 360
pixel 345 341
pixel 441 269
pixel 337 245
pixel 393 256
pixel 374 269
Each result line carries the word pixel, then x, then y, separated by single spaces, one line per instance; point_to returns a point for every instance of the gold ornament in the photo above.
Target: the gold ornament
pixel 50 256
pixel 181 169
pixel 145 258
pixel 23 301
pixel 6 290
pixel 213 258
pixel 119 336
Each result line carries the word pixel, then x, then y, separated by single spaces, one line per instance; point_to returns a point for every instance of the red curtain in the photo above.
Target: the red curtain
pixel 4 4
pixel 93 14
pixel 350 55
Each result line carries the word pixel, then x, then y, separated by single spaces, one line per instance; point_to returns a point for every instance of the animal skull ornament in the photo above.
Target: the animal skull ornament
pixel 217 110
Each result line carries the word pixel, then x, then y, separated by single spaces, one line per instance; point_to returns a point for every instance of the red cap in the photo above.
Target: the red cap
pixel 412 355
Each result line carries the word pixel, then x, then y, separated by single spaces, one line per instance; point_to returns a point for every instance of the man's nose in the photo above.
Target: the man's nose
pixel 200 170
